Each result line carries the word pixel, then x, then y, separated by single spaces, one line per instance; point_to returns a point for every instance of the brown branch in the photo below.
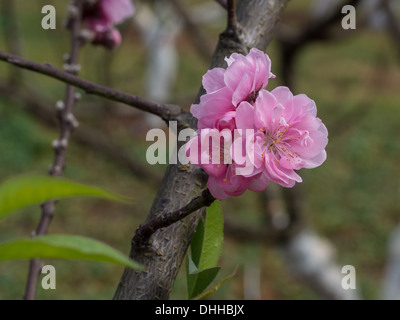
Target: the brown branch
pixel 66 127
pixel 163 256
pixel 222 3
pixel 165 111
pixel 163 220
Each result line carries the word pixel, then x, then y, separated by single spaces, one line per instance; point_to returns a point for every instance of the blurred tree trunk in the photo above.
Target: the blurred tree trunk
pixel 164 255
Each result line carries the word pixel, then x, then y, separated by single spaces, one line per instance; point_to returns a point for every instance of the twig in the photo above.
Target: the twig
pixel 165 111
pixel 231 8
pixel 222 3
pixel 196 36
pixel 67 125
pixel 144 232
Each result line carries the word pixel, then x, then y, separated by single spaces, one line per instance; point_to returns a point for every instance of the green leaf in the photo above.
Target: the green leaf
pixel 196 245
pixel 64 247
pixel 198 280
pixel 216 287
pixel 213 237
pixel 206 247
pixel 24 191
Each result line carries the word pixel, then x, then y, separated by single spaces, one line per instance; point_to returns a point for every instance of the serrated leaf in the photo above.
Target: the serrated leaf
pixel 25 191
pixel 216 287
pixel 198 280
pixel 64 247
pixel 213 237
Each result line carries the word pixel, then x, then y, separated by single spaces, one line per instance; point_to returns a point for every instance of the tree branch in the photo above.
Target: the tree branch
pixel 67 125
pixel 165 111
pixel 145 231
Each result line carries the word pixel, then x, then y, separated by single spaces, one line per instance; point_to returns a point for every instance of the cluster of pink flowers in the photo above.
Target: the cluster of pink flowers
pixel 102 17
pixel 285 134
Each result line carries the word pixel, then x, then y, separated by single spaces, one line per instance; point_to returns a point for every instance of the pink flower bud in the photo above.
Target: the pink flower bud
pixel 103 16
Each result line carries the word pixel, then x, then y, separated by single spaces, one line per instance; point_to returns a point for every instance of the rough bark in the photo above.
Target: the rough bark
pixel 163 257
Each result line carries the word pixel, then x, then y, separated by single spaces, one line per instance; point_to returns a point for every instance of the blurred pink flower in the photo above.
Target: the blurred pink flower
pixel 103 16
pixel 288 135
pixel 225 89
pixel 110 39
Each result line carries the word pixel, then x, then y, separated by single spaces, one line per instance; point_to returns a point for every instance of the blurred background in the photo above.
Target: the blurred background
pixel 287 244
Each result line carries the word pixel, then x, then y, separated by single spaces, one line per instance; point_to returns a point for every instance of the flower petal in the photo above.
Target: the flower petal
pixel 264 106
pixel 285 98
pixel 316 161
pixel 245 116
pixel 262 67
pixel 215 189
pixel 244 88
pixel 304 104
pixel 259 183
pixel 235 72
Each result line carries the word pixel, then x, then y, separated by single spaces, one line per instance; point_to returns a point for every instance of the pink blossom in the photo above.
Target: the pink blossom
pixel 103 16
pixel 288 135
pixel 280 133
pixel 231 184
pixel 212 150
pixel 110 39
pixel 225 89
